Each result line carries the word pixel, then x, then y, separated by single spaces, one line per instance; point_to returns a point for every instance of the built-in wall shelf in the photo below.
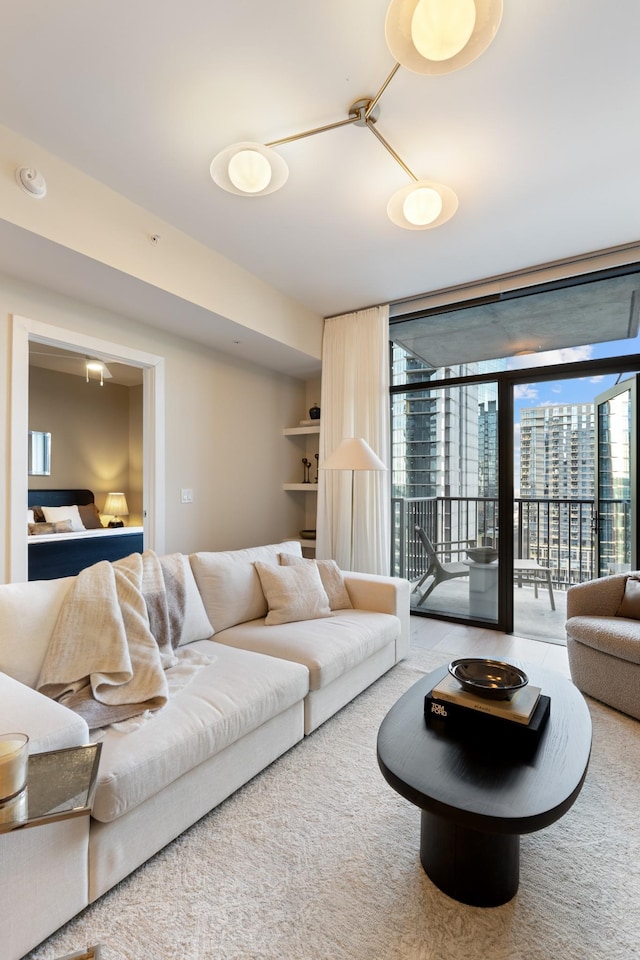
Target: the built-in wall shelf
pixel 300 431
pixel 304 543
pixel 304 487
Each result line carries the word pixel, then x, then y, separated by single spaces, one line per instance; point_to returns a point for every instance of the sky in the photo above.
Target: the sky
pixel 575 390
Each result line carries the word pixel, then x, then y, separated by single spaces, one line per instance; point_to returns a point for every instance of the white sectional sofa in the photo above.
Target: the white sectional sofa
pixel 243 688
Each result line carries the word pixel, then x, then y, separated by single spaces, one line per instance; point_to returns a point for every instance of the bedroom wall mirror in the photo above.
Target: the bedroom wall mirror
pixel 39 454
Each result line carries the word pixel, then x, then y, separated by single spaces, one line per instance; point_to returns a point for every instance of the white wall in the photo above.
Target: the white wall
pixel 224 420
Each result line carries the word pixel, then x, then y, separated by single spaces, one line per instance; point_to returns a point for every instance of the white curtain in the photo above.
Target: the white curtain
pixel 355 403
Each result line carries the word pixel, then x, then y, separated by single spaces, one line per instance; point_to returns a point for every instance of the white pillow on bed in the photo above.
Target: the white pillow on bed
pixel 53 514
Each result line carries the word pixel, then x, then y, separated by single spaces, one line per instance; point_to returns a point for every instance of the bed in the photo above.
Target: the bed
pixel 65 554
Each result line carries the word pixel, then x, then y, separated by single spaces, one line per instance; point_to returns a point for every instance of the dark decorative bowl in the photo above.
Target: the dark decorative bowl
pixel 488 678
pixel 482 554
pixel 308 534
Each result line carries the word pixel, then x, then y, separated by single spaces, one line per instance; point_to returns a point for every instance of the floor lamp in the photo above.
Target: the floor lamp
pixel 352 454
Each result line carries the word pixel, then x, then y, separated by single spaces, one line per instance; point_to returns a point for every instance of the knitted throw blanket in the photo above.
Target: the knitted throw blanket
pixel 114 639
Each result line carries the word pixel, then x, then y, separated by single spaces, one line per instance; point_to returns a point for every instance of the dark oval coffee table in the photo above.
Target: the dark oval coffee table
pixel 478 794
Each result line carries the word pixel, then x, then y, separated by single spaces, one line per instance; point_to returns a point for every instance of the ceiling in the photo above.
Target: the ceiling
pixel 75 364
pixel 537 138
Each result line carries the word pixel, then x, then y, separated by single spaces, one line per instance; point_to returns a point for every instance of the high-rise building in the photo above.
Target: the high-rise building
pixel 443 448
pixel 557 451
pixel 557 464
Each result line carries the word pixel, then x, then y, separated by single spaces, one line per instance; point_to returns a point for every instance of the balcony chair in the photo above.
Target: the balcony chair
pixel 436 569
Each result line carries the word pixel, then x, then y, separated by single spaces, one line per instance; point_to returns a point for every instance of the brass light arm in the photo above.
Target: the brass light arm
pixel 310 133
pixel 388 147
pixel 373 103
pixel 357 114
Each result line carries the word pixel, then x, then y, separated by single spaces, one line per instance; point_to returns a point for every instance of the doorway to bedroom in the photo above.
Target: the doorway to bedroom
pixel 149 443
pixel 92 411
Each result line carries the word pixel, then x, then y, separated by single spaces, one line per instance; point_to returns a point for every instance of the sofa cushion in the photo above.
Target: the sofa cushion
pixel 28 612
pixel 328 647
pixel 221 703
pixel 331 576
pixel 293 593
pixel 616 636
pixel 229 583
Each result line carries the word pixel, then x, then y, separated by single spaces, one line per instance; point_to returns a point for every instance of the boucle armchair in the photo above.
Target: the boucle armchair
pixel 603 640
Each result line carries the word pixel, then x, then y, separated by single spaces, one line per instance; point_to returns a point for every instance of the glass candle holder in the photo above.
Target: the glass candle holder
pixel 14 810
pixel 14 756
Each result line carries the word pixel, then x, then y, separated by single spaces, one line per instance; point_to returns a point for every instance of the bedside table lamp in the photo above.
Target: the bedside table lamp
pixel 116 506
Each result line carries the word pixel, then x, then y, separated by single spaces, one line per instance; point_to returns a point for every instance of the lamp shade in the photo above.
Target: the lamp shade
pixel 249 169
pixel 442 30
pixel 426 212
pixel 116 505
pixel 353 453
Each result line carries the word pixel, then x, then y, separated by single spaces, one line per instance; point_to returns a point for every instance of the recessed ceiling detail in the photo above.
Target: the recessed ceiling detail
pixel 425 36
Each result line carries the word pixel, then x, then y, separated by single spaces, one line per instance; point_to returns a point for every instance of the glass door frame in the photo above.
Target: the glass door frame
pixel 630 385
pixel 507 380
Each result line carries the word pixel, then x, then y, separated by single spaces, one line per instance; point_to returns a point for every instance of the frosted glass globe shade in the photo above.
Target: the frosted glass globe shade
pixel 422 206
pixel 249 171
pixel 404 22
pixel 442 28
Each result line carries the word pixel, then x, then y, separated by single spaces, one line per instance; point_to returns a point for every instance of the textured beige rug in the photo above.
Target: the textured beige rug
pixel 318 859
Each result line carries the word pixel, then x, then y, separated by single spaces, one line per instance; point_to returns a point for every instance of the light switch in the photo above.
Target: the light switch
pixel 186 496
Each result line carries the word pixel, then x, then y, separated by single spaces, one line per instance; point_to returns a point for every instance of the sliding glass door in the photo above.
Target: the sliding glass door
pixel 616 429
pixel 445 497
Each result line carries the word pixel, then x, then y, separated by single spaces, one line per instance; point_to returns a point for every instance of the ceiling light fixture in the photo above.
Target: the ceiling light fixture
pixel 440 36
pixel 97 367
pixel 426 36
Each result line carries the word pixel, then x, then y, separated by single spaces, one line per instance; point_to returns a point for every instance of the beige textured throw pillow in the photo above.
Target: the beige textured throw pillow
pixel 292 593
pixel 40 529
pixel 331 576
pixel 630 603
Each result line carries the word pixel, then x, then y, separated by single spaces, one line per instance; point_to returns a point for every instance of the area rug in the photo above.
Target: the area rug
pixel 318 859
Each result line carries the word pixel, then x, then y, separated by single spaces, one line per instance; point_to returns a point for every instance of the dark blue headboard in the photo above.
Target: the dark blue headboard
pixel 59 498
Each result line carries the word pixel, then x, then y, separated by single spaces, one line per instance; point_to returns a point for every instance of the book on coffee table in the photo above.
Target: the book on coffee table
pixel 464 717
pixel 518 708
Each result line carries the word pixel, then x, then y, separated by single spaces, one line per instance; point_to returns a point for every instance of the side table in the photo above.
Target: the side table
pixel 60 785
pixel 483 589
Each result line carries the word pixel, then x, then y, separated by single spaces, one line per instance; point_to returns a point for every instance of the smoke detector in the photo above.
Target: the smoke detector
pixel 31 182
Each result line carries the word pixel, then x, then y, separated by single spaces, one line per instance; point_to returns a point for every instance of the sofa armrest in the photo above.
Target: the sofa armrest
pixel 596 598
pixel 48 724
pixel 383 595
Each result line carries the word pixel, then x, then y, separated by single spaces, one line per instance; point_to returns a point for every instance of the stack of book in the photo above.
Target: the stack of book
pixel 522 717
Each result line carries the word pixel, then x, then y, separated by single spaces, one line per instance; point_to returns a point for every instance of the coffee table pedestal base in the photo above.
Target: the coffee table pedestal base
pixel 481 869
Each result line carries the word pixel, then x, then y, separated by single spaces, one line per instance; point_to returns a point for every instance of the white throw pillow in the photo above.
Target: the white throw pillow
pixel 331 576
pixel 53 514
pixel 229 584
pixel 28 612
pixel 293 593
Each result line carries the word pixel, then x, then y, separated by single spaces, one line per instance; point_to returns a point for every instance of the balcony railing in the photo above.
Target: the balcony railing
pixel 557 533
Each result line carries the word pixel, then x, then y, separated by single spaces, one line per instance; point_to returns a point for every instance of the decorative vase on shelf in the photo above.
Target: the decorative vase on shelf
pixel 314 412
